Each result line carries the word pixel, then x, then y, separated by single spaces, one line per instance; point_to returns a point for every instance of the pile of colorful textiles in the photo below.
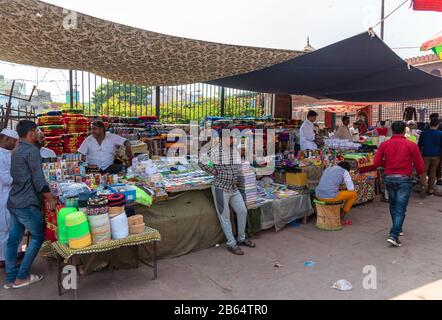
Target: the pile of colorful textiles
pixel 50 124
pixel 55 143
pixel 76 127
pixel 75 124
pixel 46 120
pixel 73 141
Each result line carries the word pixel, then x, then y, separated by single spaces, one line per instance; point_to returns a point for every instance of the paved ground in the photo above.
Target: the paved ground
pixel 216 274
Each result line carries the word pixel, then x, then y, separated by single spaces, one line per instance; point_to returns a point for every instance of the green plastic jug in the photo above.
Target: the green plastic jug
pixel 61 218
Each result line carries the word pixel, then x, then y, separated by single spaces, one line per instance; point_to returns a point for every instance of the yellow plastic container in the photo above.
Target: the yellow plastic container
pixel 78 230
pixel 80 243
pixel 296 179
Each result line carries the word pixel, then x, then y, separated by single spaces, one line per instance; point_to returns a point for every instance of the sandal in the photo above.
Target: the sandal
pixel 7 286
pixel 236 250
pixel 247 243
pixel 33 278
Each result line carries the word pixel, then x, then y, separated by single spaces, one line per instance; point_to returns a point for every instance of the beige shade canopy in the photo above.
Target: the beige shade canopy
pixel 40 34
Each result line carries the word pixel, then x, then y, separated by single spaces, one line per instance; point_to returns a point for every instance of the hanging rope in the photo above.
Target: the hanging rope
pixel 388 15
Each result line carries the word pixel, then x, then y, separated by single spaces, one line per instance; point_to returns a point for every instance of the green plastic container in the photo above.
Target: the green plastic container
pixel 77 225
pixel 61 218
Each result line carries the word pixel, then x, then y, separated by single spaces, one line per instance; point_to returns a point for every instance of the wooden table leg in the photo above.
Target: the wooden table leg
pixel 76 280
pixel 154 260
pixel 59 274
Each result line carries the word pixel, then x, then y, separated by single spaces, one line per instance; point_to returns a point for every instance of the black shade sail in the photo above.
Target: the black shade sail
pixel 360 68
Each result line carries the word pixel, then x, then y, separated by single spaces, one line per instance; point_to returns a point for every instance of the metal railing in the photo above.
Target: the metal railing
pixel 26 112
pixel 171 104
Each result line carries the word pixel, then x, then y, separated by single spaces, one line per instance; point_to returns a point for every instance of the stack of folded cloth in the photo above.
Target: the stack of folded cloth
pixel 55 143
pixel 52 130
pixel 53 134
pixel 46 120
pixel 73 111
pixel 73 141
pixel 98 217
pixel 50 113
pixel 75 124
pixel 247 185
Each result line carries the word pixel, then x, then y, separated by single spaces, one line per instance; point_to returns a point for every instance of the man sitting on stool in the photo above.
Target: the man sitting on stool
pixel 328 188
pixel 99 148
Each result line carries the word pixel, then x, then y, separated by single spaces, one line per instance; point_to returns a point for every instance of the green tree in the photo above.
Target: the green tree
pixel 131 94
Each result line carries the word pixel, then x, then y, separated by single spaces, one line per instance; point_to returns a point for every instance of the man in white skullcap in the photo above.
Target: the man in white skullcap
pixel 8 140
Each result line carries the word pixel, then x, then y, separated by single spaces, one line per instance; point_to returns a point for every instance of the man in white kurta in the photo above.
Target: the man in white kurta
pixel 307 132
pixel 8 139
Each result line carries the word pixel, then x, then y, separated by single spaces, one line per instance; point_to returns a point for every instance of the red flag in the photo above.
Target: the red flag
pixel 427 5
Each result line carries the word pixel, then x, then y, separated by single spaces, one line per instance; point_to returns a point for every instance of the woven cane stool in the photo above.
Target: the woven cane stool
pixel 328 215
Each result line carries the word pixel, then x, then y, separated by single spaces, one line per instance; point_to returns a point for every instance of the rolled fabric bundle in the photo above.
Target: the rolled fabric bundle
pixel 119 227
pixel 100 228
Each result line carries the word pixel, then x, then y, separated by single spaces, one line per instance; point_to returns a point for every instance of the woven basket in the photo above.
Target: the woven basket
pixel 328 215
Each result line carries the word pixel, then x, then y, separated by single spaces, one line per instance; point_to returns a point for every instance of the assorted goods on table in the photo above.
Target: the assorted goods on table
pixel 103 219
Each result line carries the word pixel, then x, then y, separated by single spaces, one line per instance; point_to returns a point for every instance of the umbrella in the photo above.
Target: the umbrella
pixel 434 44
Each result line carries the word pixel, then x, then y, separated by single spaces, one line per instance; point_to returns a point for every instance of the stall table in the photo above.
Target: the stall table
pixel 147 240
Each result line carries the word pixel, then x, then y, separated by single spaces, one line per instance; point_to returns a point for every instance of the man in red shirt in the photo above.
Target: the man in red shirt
pixel 397 157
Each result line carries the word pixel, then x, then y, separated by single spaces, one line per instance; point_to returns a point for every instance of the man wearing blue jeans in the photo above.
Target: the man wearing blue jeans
pixel 28 188
pixel 397 156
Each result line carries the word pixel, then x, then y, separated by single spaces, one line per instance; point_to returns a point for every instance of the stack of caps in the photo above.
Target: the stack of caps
pixel 116 203
pixel 136 224
pixel 97 206
pixel 117 215
pixel 61 222
pixel 247 185
pixel 77 228
pixel 98 217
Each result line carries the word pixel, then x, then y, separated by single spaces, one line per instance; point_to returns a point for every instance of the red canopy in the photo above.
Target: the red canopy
pixel 427 5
